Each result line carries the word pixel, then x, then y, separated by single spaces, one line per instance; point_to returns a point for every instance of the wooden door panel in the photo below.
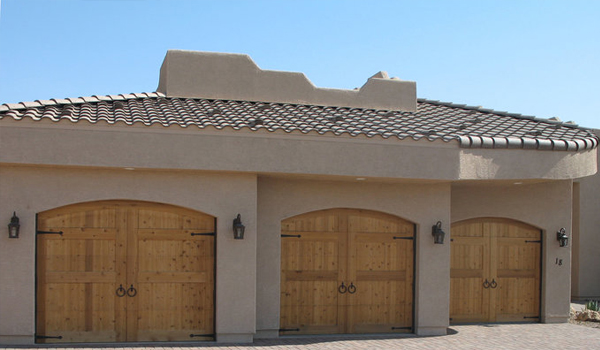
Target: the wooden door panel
pixel 103 248
pixel 322 250
pixel 76 276
pixel 174 311
pixel 469 302
pixel 518 273
pixel 175 275
pixel 322 221
pixel 85 216
pixel 310 276
pixel 510 252
pixel 469 268
pixel 79 312
pixel 381 268
pixel 381 307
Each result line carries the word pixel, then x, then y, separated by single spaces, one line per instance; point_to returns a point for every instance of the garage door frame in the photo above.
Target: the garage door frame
pixel 126 203
pixel 412 235
pixel 540 241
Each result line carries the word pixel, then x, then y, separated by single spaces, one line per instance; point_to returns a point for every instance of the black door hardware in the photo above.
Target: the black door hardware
pixel 131 291
pixel 121 291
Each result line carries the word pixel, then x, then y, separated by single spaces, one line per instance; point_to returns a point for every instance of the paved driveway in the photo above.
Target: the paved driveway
pixel 481 337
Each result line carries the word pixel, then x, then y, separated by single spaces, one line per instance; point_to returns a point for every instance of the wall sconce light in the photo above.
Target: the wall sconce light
pixel 437 233
pixel 14 226
pixel 238 228
pixel 562 238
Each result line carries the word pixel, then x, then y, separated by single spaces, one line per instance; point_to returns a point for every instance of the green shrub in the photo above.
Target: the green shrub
pixel 593 305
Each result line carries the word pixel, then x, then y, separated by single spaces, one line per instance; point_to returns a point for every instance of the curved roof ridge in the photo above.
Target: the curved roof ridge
pixel 469 126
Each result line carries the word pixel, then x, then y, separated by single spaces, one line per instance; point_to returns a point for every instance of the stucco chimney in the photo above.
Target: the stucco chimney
pixel 212 75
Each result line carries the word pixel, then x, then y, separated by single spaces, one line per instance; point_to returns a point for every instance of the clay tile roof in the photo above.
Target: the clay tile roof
pixel 471 127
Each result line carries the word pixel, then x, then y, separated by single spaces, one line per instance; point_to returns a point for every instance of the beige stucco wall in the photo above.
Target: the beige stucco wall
pixel 544 205
pixel 268 177
pixel 422 204
pixel 237 77
pixel 499 164
pixel 157 147
pixel 29 190
pixel 586 240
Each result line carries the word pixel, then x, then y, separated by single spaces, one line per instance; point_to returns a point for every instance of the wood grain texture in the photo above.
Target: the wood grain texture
pixel 144 246
pixel 353 247
pixel 495 250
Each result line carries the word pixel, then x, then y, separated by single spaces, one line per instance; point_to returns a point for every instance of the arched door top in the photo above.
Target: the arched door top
pixel 116 271
pixel 493 219
pixel 346 271
pixel 495 271
pixel 120 203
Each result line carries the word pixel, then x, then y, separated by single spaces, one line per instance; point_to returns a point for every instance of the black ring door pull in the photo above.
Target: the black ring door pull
pixel 342 288
pixel 131 291
pixel 486 284
pixel 121 291
pixel 351 288
pixel 494 284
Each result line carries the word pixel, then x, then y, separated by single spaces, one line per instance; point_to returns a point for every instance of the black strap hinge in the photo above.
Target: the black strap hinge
pixel 396 237
pixel 47 337
pixel 533 241
pixel 395 328
pixel 39 232
pixel 289 329
pixel 531 316
pixel 202 335
pixel 203 234
pixel 297 236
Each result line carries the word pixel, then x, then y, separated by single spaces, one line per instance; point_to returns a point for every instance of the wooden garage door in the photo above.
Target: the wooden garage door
pixel 495 271
pixel 346 271
pixel 124 271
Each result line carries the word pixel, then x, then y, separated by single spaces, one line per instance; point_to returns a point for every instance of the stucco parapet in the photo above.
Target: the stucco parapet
pixel 235 76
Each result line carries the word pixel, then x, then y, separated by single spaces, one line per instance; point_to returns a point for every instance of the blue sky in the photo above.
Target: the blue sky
pixel 538 58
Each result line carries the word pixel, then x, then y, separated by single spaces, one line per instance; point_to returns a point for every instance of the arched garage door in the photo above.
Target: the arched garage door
pixel 495 271
pixel 346 271
pixel 124 271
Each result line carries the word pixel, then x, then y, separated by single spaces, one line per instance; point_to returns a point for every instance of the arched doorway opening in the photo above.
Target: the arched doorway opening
pixel 495 271
pixel 346 271
pixel 117 271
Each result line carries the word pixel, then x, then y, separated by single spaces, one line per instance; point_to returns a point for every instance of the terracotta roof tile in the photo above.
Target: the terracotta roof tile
pixel 471 127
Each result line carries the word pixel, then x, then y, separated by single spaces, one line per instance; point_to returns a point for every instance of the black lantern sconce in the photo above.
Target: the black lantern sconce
pixel 437 233
pixel 562 238
pixel 238 228
pixel 14 226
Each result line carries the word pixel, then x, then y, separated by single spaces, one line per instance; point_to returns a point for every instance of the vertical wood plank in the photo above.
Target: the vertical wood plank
pixel 365 247
pixel 74 272
pixel 79 272
pixel 121 253
pixel 512 260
